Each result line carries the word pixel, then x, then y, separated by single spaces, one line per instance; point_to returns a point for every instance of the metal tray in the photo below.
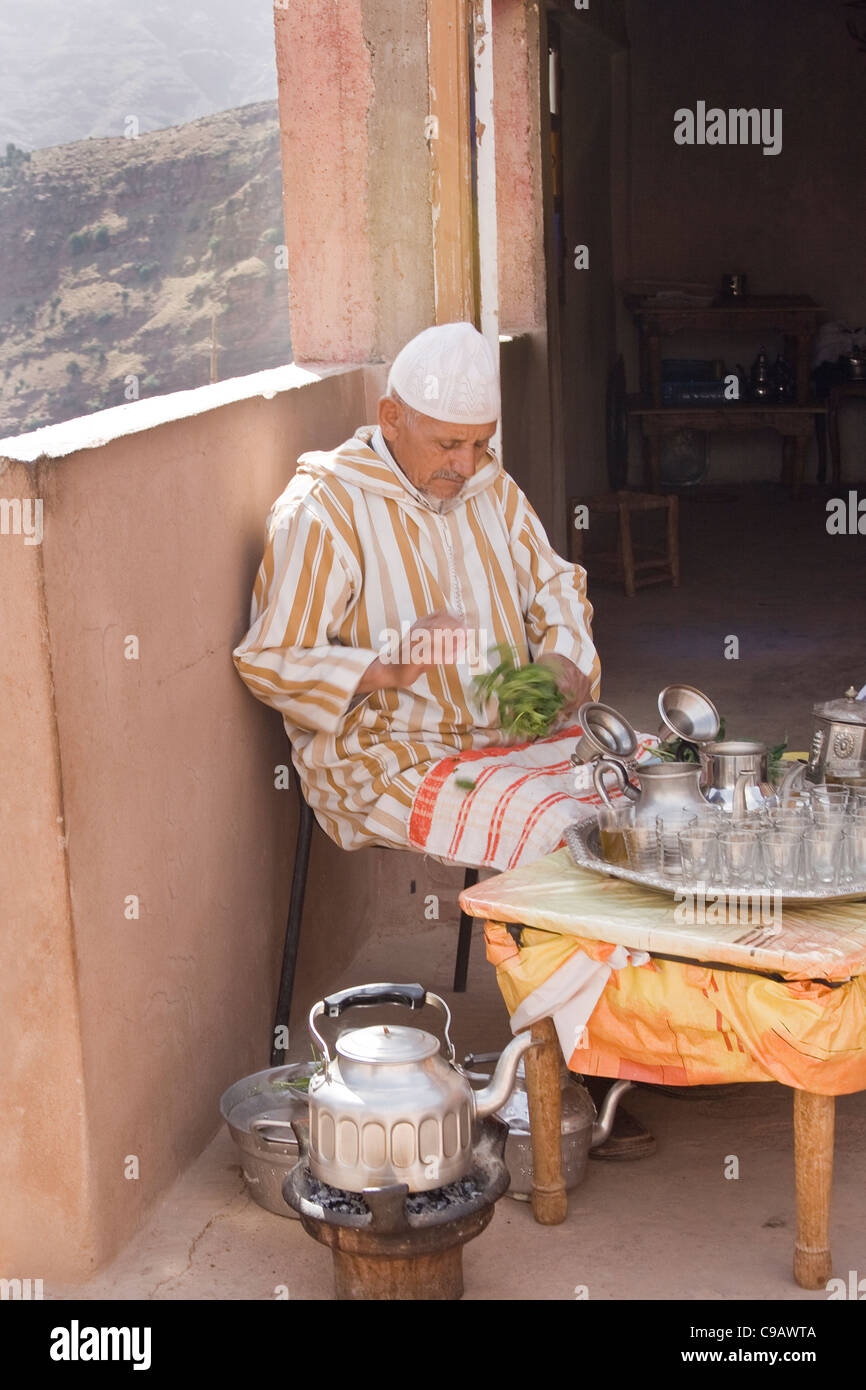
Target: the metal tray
pixel 584 846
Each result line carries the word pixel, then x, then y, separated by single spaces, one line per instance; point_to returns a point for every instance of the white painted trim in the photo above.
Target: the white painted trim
pixel 93 431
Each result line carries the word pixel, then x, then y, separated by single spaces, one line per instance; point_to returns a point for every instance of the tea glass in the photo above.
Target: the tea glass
pixel 670 864
pixel 782 850
pixel 612 823
pixel 828 798
pixel 698 845
pixel 850 776
pixel 823 851
pixel 856 838
pixel 796 815
pixel 641 847
pixel 739 849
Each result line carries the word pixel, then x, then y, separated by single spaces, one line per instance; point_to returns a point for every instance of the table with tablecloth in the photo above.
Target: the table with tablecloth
pixel 628 983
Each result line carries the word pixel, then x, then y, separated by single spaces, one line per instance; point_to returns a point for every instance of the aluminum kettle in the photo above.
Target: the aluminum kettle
pixel 391 1108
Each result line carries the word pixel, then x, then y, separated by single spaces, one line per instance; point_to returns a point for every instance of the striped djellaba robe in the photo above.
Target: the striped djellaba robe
pixel 354 551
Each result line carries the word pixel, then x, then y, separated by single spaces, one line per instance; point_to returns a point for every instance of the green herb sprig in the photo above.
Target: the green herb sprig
pixel 529 698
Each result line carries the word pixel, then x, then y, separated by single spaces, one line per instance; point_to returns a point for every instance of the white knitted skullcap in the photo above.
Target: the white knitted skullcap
pixel 450 373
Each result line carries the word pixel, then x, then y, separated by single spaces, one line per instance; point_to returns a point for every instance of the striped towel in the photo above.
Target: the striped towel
pixel 523 798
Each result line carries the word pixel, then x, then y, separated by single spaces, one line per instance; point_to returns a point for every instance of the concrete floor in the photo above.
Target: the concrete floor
pixel 668 1227
pixel 761 568
pixel 758 567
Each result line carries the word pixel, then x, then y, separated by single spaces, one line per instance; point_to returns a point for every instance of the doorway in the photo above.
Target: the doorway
pixel 584 238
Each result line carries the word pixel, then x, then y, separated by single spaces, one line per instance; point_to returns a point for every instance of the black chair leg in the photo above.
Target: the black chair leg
pixel 464 940
pixel 293 926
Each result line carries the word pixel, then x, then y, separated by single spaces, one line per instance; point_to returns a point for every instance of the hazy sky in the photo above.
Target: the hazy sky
pixel 74 68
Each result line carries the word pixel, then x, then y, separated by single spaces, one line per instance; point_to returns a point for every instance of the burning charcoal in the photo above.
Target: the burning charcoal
pixel 335 1199
pixel 453 1194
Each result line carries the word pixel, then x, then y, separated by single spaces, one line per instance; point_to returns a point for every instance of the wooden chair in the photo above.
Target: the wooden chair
pixel 635 566
pixel 283 1010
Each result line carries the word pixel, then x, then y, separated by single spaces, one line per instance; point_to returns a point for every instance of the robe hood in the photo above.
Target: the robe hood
pixel 356 462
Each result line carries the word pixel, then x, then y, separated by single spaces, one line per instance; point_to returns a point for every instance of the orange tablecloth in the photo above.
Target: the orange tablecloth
pixel 688 1023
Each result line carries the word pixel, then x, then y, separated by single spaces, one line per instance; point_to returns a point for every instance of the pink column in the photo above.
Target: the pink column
pixel 325 96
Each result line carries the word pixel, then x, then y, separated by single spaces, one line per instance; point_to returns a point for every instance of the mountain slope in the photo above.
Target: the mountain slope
pixel 117 256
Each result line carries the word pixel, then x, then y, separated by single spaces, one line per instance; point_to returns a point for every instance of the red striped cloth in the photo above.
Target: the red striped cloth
pixel 523 798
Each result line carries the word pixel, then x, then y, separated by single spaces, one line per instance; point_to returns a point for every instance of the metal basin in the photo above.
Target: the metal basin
pixel 259 1110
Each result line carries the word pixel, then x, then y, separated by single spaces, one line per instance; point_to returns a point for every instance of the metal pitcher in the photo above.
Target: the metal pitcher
pixel 670 790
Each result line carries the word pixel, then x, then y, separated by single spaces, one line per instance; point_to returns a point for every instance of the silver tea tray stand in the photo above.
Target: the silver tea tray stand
pixel 584 846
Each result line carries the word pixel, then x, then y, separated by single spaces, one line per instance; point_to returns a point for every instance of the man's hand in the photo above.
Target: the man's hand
pixel 425 653
pixel 573 684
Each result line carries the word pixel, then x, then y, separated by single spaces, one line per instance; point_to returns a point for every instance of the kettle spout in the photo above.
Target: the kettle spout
pixel 494 1096
pixel 740 808
pixel 791 784
pixel 604 1124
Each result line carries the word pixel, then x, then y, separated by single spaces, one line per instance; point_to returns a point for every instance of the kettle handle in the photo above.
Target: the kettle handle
pixel 410 996
pixel 622 776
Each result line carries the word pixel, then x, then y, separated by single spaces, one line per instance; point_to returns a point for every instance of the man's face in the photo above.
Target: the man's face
pixel 436 457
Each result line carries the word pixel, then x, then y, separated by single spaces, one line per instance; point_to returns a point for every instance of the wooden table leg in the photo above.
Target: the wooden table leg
pixel 549 1197
pixel 626 549
pixel 652 462
pixel 813 1171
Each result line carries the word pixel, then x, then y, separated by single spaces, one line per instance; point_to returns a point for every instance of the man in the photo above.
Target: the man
pixel 413 528
pixel 409 527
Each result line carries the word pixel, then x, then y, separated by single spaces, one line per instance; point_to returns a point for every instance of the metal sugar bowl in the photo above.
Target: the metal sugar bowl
pixel 839 737
pixel 391 1107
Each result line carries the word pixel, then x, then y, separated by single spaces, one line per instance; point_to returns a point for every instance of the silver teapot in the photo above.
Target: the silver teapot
pixel 669 790
pixel 735 776
pixel 392 1108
